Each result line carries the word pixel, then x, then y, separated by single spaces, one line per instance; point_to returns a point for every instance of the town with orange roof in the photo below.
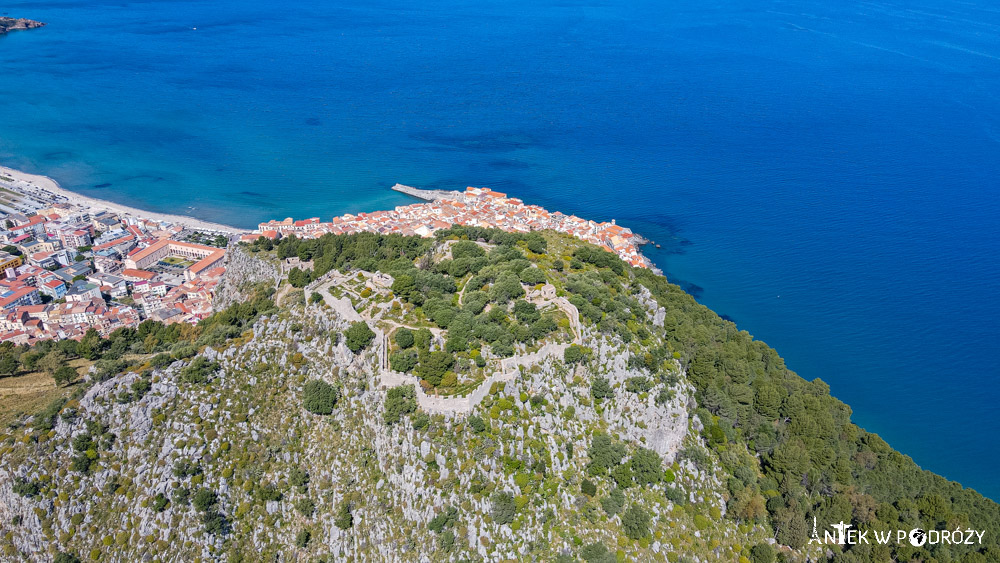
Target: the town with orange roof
pixel 66 268
pixel 477 207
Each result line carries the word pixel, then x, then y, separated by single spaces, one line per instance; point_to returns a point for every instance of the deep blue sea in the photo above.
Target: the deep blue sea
pixel 824 173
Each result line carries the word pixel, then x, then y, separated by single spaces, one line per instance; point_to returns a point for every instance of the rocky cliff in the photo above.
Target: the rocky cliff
pixel 243 272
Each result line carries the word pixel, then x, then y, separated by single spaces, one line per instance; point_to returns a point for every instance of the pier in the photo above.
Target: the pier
pixel 428 195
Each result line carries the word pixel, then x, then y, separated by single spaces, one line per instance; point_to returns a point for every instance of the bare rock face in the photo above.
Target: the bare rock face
pixel 15 24
pixel 243 270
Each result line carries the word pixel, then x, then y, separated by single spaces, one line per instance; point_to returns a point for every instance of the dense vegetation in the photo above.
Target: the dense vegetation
pixel 793 453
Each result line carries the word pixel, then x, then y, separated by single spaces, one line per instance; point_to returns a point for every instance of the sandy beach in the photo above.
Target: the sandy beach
pixel 43 187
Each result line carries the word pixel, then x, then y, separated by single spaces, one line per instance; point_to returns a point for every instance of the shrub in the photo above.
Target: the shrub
pixel 421 420
pixel 319 397
pixel 588 488
pixel 63 557
pixel 358 335
pixel 200 370
pixel 306 507
pixel 160 502
pixel 302 539
pixel 638 384
pixel 701 522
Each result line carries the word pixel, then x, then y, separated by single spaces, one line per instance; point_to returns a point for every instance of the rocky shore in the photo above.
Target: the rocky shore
pixel 15 24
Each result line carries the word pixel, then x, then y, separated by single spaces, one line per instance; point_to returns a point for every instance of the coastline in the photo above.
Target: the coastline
pixel 34 185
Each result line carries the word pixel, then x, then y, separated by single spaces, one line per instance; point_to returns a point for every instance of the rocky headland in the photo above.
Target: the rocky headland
pixel 15 24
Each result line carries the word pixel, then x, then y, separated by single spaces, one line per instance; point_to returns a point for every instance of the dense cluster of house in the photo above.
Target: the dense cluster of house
pixel 67 269
pixel 480 207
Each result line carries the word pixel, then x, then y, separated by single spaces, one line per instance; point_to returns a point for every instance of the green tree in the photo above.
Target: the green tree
pixel 532 276
pixel 504 508
pixel 52 361
pixel 635 522
pixel 613 503
pixel 8 364
pixel 444 519
pixel 762 553
pixel 477 424
pixel 200 370
pixel 575 354
pixel 299 278
pixel 506 287
pixel 404 338
pixel 358 335
pixel 597 552
pixel 399 401
pixel 344 519
pixel 205 499
pixel 422 339
pixel 433 366
pixel 64 375
pixel 588 488
pixel 405 286
pixel 319 397
pixel 403 361
pixel 466 249
pixel 646 466
pixel 601 389
pixel 604 454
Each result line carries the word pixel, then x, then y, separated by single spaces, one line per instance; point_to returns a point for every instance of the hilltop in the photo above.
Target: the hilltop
pixel 481 395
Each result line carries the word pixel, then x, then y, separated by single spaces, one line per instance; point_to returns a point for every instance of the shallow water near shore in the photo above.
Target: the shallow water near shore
pixel 823 175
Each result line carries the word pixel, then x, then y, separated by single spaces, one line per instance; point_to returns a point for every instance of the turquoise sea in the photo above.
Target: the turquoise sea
pixel 823 173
